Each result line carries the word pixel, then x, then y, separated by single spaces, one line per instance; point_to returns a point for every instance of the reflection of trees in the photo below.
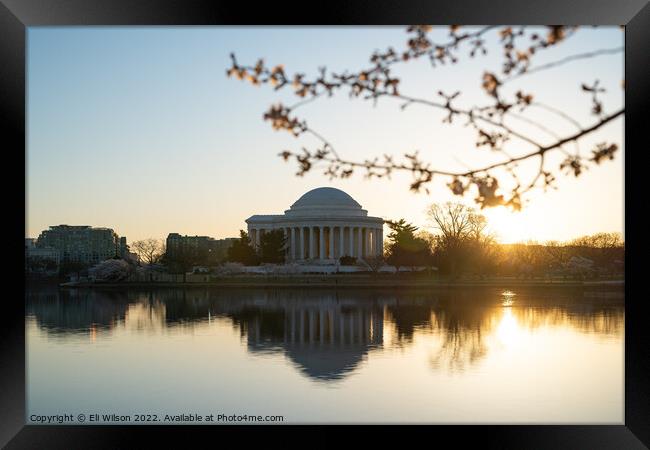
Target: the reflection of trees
pixel 458 350
pixel 602 320
pixel 61 311
pixel 328 333
pixel 409 317
pixel 462 325
pixel 464 319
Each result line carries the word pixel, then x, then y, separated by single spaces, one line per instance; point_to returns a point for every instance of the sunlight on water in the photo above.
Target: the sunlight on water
pixel 508 330
pixel 507 298
pixel 454 356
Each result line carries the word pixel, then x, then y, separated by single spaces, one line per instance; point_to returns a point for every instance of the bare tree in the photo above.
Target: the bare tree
pixel 149 250
pixel 494 123
pixel 599 240
pixel 558 252
pixel 454 221
pixel 462 239
pixel 600 247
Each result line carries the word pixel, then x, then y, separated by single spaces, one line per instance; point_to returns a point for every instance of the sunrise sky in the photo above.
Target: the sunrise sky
pixel 140 130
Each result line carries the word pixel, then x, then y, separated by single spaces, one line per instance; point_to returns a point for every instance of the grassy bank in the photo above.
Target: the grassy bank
pixel 356 281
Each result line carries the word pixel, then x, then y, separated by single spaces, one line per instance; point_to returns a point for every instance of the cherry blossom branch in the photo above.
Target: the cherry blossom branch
pixel 488 121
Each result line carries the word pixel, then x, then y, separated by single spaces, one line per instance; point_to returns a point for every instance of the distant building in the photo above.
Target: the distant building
pixel 40 259
pixel 45 253
pixel 123 249
pixel 82 243
pixel 210 249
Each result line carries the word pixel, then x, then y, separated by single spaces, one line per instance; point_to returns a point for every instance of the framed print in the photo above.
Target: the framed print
pixel 239 221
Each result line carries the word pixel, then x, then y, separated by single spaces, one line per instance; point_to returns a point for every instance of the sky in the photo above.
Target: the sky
pixel 139 129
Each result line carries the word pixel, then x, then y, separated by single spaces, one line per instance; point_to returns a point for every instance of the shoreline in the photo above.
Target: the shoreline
pixel 351 283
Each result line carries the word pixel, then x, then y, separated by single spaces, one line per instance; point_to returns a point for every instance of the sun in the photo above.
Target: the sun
pixel 509 227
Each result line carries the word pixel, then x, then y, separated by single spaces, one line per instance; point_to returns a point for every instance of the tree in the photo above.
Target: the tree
pixel 482 246
pixel 71 267
pixel 462 241
pixel 404 248
pixel 559 254
pixel 530 259
pixel 599 240
pixel 181 260
pixel 242 251
pixel 149 250
pixel 502 124
pixel 273 246
pixel 111 270
pixel 453 221
pixel 602 248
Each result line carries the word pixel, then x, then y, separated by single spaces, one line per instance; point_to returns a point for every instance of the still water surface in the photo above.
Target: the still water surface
pixel 470 355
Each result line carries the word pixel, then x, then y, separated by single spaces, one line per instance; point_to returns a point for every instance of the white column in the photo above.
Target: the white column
pixel 360 244
pixel 293 243
pixel 365 242
pixel 312 243
pixel 351 236
pixel 258 232
pixel 367 231
pixel 321 242
pixel 331 242
pixel 302 243
pixel 287 246
pixel 342 241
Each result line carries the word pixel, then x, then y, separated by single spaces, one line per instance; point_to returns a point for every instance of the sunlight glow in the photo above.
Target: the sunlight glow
pixel 508 226
pixel 508 330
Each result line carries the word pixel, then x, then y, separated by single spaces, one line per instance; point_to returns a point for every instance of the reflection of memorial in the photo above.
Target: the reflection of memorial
pixel 324 332
pixel 326 340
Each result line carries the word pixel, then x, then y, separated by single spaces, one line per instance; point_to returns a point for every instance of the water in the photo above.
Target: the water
pixel 470 355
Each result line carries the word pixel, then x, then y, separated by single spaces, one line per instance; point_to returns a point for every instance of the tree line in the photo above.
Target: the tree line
pixel 462 245
pixel 457 243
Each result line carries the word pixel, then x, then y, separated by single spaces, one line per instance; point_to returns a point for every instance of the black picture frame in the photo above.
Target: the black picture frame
pixel 17 15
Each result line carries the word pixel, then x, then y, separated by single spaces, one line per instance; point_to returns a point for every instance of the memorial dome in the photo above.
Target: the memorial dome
pixel 326 200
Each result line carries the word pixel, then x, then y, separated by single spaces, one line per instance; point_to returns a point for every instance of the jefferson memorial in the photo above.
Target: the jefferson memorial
pixel 321 226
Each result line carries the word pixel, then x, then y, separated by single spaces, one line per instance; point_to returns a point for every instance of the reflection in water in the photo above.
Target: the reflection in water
pixel 327 334
pixel 326 339
pixel 507 298
pixel 327 356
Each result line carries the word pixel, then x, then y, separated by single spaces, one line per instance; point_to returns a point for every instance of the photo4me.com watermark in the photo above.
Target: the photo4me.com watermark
pixel 95 418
